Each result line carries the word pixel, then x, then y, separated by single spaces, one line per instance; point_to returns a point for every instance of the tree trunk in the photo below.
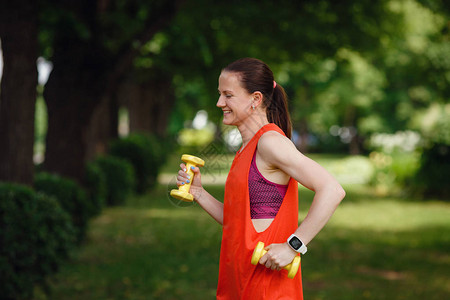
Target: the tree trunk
pixel 71 101
pixel 303 102
pixel 303 134
pixel 150 105
pixel 18 32
pixel 103 127
pixel 83 81
pixel 350 120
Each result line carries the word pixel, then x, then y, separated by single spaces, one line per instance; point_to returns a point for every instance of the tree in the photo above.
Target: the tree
pixel 18 33
pixel 296 38
pixel 93 46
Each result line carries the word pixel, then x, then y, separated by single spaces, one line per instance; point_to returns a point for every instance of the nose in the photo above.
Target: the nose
pixel 220 102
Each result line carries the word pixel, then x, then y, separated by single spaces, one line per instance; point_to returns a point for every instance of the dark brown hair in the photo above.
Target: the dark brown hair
pixel 255 76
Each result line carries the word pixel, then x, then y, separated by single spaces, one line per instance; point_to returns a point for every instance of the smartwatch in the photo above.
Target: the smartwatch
pixel 296 244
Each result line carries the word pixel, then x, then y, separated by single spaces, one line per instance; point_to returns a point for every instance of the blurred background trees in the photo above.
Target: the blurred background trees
pixel 352 69
pixel 18 32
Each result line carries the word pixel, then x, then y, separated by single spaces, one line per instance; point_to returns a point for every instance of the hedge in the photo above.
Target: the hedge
pixel 71 196
pixel 95 184
pixel 120 178
pixel 36 236
pixel 147 153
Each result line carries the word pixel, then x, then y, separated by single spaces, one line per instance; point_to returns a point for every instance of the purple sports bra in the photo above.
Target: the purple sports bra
pixel 266 197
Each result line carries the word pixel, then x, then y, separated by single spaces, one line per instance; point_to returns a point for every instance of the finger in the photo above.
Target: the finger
pixel 196 170
pixel 269 261
pixel 184 174
pixel 183 170
pixel 197 174
pixel 182 179
pixel 276 263
pixel 263 260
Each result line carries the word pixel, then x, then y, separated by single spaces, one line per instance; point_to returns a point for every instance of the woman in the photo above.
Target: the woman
pixel 261 192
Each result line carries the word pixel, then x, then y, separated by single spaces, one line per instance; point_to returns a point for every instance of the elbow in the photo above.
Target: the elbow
pixel 340 192
pixel 336 192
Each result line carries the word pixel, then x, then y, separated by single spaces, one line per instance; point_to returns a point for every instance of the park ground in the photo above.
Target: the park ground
pixel 374 247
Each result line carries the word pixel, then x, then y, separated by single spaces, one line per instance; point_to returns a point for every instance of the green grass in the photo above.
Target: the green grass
pixel 373 248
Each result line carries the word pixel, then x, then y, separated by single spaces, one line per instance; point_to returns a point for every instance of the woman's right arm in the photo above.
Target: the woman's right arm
pixel 210 204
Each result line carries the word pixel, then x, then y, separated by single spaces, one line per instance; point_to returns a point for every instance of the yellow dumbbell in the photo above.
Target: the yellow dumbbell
pixel 292 267
pixel 182 193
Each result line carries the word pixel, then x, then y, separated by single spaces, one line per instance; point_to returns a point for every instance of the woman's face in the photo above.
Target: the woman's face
pixel 234 100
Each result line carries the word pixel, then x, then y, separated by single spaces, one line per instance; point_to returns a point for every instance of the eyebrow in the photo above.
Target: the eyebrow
pixel 225 91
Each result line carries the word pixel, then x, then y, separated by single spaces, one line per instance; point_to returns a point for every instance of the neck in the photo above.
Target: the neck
pixel 251 126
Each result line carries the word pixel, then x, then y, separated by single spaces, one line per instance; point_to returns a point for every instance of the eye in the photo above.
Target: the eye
pixel 228 96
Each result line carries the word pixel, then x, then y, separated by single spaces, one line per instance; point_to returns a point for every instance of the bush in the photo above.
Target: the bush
pixel 95 184
pixel 72 198
pixel 120 178
pixel 146 153
pixel 434 171
pixel 395 160
pixel 36 236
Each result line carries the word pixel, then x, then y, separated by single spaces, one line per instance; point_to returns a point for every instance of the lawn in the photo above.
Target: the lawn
pixel 373 248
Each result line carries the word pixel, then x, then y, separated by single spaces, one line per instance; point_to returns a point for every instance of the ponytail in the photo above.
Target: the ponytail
pixel 277 111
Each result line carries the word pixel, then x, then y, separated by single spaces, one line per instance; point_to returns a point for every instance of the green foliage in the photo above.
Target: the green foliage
pixel 147 153
pixel 120 178
pixel 432 177
pixel 320 30
pixel 95 183
pixel 405 167
pixel 71 196
pixel 434 172
pixel 36 236
pixel 370 66
pixel 191 137
pixel 395 159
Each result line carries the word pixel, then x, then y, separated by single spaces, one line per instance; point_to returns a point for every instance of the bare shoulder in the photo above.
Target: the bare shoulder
pixel 276 148
pixel 279 152
pixel 272 139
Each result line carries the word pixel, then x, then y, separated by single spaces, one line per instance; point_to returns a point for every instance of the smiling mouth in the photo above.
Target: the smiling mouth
pixel 225 112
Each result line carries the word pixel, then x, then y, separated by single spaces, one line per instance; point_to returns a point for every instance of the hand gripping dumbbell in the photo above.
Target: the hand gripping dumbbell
pixel 292 267
pixel 182 193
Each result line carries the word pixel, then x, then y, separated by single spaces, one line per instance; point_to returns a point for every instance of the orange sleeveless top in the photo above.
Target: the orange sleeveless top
pixel 238 278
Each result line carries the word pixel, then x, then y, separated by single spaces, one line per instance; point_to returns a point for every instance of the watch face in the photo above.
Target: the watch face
pixel 295 243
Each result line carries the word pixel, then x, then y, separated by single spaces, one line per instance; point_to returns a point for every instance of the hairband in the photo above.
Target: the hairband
pixel 274 84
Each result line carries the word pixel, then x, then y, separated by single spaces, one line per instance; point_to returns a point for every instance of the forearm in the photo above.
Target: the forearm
pixel 210 204
pixel 322 208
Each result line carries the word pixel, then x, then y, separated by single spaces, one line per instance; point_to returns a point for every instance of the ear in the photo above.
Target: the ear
pixel 257 98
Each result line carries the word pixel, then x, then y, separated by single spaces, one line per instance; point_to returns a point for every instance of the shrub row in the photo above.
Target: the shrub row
pixel 36 236
pixel 72 198
pixel 119 178
pixel 146 153
pixel 39 227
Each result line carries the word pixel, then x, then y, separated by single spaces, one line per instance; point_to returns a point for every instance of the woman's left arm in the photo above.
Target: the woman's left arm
pixel 278 152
